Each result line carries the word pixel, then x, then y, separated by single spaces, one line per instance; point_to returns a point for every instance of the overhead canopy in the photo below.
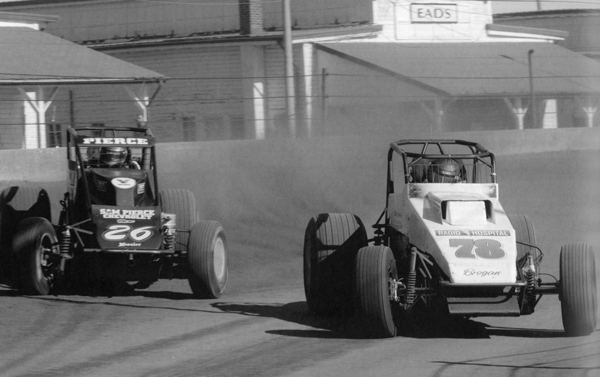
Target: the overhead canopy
pixel 496 69
pixel 31 57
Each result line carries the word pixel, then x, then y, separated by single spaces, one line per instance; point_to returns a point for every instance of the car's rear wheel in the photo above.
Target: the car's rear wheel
pixel 525 232
pixel 182 203
pixel 376 274
pixel 18 203
pixel 331 241
pixel 578 289
pixel 207 259
pixel 38 266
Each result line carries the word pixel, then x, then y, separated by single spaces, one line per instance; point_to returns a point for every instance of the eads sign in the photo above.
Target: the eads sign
pixel 434 13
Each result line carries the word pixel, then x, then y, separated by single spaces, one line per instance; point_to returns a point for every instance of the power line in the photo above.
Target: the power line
pixel 241 78
pixel 220 3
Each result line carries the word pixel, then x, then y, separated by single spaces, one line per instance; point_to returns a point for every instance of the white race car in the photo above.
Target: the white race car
pixel 443 242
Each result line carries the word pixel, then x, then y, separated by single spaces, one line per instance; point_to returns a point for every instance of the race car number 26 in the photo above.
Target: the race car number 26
pixel 482 248
pixel 120 232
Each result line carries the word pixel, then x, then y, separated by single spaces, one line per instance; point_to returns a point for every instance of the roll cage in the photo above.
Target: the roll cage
pixel 421 150
pixel 413 152
pixel 139 141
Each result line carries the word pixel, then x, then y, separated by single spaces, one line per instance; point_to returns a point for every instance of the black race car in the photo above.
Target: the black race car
pixel 115 226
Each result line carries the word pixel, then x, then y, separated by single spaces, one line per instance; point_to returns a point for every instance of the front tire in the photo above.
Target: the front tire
pixel 33 247
pixel 578 289
pixel 207 259
pixel 375 271
pixel 331 241
pixel 182 203
pixel 18 203
pixel 524 232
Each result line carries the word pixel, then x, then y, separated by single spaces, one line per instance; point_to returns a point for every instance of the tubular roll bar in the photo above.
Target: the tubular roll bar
pixel 477 153
pixel 73 135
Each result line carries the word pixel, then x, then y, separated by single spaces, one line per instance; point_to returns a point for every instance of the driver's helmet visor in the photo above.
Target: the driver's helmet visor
pixel 445 178
pixel 446 173
pixel 113 156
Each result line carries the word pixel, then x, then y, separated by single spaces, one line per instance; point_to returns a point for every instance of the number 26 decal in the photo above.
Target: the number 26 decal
pixel 482 248
pixel 120 232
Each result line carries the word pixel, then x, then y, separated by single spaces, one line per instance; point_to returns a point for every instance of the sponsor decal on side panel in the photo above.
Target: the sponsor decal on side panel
pixel 131 214
pixel 474 272
pixel 115 140
pixel 123 221
pixel 101 185
pixel 123 183
pixel 126 244
pixel 127 227
pixel 473 233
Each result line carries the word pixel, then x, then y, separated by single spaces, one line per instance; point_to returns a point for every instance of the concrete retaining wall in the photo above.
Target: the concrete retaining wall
pixel 48 165
pixel 264 192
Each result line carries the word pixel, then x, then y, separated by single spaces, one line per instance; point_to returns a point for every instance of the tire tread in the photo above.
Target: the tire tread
pixel 578 289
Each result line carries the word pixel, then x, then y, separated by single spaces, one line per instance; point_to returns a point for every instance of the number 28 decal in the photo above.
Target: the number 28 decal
pixel 120 232
pixel 482 248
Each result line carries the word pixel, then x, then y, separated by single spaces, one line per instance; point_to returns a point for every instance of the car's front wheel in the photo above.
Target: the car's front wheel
pixel 182 203
pixel 207 259
pixel 578 289
pixel 18 203
pixel 33 245
pixel 524 232
pixel 376 275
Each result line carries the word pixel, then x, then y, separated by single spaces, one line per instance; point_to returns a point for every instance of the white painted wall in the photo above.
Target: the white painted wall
pixel 433 21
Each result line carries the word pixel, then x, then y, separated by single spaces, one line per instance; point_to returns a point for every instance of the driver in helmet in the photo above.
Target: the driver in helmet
pixel 445 170
pixel 113 157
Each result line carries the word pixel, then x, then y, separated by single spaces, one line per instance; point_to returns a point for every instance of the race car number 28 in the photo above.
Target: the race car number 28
pixel 482 248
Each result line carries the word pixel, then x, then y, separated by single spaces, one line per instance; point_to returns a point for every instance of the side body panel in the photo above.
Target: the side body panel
pixel 463 226
pixel 127 227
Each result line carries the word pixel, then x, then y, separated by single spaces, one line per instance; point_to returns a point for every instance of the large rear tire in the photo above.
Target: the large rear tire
pixel 578 289
pixel 207 259
pixel 375 270
pixel 331 241
pixel 38 265
pixel 525 232
pixel 182 203
pixel 18 203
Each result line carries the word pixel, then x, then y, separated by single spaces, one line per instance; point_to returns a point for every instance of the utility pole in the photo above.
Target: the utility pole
pixel 531 91
pixel 289 68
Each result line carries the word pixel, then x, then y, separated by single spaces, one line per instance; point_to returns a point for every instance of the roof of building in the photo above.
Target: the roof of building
pixel 335 32
pixel 31 57
pixel 549 13
pixel 495 69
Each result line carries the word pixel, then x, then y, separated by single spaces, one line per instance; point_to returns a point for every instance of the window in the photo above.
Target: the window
pixel 189 128
pixel 214 128
pixel 54 135
pixel 238 131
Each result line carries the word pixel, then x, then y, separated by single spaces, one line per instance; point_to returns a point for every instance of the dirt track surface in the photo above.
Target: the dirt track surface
pixel 261 325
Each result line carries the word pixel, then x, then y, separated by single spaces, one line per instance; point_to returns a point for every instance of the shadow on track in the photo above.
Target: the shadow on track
pixel 349 327
pixel 525 333
pixel 109 297
pixel 296 312
pixel 104 289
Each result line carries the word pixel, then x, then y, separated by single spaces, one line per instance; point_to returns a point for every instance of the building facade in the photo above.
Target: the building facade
pixel 582 26
pixel 226 68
